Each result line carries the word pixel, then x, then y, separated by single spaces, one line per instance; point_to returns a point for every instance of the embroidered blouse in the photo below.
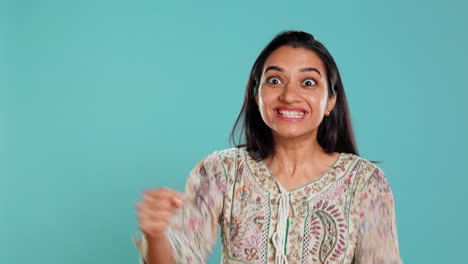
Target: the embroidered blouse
pixel 347 215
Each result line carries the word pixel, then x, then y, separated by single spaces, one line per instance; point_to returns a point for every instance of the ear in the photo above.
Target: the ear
pixel 331 103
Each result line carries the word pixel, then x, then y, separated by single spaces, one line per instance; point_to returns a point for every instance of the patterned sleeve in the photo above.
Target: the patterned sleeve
pixel 140 242
pixel 193 229
pixel 378 240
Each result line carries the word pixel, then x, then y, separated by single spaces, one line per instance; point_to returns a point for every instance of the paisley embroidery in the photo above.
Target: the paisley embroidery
pixel 235 222
pixel 329 229
pixel 330 235
pixel 251 254
pixel 258 220
pixel 243 192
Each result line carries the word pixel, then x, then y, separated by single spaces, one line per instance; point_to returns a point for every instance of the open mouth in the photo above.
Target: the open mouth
pixel 290 114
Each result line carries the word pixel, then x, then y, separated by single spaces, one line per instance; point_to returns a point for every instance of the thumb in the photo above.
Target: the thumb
pixel 178 199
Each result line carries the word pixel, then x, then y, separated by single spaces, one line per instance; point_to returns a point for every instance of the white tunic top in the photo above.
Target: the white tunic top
pixel 347 215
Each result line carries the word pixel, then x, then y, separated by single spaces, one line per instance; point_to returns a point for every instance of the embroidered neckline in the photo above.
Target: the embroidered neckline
pixel 304 185
pixel 260 170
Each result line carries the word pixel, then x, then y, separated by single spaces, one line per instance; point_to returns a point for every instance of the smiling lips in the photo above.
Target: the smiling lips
pixel 291 114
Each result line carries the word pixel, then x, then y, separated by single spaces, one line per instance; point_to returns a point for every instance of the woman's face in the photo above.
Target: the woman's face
pixel 293 92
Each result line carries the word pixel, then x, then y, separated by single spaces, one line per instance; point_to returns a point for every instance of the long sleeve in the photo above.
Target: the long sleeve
pixel 142 246
pixel 378 240
pixel 193 229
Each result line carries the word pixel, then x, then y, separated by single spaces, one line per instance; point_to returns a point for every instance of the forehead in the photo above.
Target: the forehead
pixel 291 58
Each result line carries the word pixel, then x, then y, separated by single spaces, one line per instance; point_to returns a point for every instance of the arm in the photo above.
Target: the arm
pixel 192 231
pixel 378 240
pixel 160 250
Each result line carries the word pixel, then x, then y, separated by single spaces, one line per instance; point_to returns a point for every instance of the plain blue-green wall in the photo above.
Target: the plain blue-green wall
pixel 103 99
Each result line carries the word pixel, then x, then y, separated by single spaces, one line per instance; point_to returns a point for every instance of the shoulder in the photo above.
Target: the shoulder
pixel 222 155
pixel 368 174
pixel 229 153
pixel 222 158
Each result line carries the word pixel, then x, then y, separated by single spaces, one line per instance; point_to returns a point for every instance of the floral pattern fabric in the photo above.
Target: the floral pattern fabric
pixel 347 215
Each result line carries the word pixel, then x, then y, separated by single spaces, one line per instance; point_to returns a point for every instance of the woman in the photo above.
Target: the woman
pixel 295 192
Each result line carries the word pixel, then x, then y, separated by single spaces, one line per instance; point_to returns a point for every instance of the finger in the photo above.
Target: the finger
pixel 157 215
pixel 153 228
pixel 169 205
pixel 162 193
pixel 179 195
pixel 143 208
pixel 162 206
pixel 157 205
pixel 146 220
pixel 178 200
pixel 155 197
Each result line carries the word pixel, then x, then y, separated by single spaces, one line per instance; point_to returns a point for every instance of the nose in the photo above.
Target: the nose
pixel 289 94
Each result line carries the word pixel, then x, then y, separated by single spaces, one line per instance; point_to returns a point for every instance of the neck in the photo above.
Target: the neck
pixel 293 154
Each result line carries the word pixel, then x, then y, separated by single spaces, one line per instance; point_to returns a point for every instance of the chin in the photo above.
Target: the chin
pixel 292 134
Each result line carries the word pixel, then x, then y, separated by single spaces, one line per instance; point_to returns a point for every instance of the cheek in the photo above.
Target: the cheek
pixel 265 101
pixel 317 103
pixel 263 106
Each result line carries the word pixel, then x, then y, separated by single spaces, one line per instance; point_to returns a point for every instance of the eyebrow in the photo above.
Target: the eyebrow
pixel 308 69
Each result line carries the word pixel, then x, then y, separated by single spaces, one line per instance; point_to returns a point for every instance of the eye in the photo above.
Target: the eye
pixel 274 80
pixel 309 82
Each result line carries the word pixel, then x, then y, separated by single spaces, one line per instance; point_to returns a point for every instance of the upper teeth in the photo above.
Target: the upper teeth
pixel 290 113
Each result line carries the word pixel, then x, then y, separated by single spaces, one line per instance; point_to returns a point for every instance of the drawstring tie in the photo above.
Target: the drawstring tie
pixel 278 238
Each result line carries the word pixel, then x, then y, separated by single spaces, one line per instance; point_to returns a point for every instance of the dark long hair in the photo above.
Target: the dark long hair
pixel 335 132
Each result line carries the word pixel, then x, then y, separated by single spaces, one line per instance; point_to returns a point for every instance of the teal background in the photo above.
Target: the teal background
pixel 101 100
